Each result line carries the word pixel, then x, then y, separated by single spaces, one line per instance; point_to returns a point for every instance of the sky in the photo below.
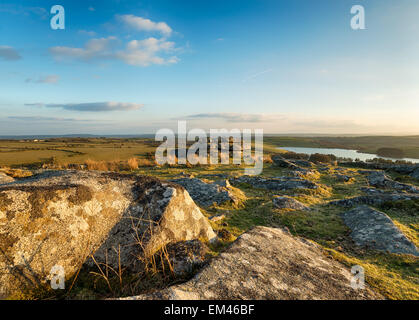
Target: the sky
pixel 134 67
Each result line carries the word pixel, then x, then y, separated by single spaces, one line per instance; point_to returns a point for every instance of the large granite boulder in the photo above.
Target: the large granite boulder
pixel 268 263
pixel 206 193
pixel 374 229
pixel 63 217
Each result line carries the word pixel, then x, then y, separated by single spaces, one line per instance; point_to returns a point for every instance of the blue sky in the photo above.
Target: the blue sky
pixel 287 66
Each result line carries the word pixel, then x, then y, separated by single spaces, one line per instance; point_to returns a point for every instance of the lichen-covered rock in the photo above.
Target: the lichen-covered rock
pixel 415 174
pixel 4 178
pixel 268 263
pixel 303 163
pixel 206 194
pixel 374 229
pixel 380 180
pixel 283 163
pixel 276 183
pixel 295 166
pixel 284 202
pixel 61 217
pixel 374 200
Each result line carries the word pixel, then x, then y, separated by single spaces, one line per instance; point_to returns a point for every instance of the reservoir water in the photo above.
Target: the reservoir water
pixel 342 153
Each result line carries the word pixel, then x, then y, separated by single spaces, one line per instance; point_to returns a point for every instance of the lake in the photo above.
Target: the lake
pixel 342 153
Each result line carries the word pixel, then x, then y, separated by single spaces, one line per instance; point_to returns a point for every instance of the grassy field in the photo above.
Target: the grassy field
pixel 395 276
pixel 16 153
pixel 64 151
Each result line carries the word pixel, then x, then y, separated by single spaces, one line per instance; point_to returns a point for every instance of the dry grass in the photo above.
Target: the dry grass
pixel 267 158
pixel 146 163
pixel 132 163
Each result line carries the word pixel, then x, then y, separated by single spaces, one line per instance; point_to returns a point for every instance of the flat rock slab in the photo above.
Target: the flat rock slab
pixel 379 179
pixel 62 217
pixel 268 263
pixel 284 202
pixel 374 229
pixel 295 166
pixel 206 194
pixel 277 183
pixel 374 200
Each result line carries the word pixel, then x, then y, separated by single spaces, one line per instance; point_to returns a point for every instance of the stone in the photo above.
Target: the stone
pixel 206 194
pixel 268 263
pixel 415 174
pixel 284 202
pixel 343 178
pixel 187 256
pixel 283 163
pixel 4 178
pixel 63 217
pixel 293 166
pixel 303 163
pixel 380 180
pixel 276 183
pixel 375 230
pixel 324 170
pixel 374 200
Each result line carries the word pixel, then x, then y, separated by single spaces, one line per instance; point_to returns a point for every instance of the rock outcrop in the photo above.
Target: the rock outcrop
pixel 379 179
pixel 374 200
pixel 406 169
pixel 62 217
pixel 284 202
pixel 206 194
pixel 374 229
pixel 295 166
pixel 276 183
pixel 268 263
pixel 415 174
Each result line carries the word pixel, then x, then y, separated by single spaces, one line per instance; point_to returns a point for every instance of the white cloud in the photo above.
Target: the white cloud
pixel 53 78
pixel 144 52
pixel 42 119
pixel 142 24
pixel 137 52
pixel 87 33
pixel 24 11
pixel 9 53
pixel 237 117
pixel 92 106
pixel 93 49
